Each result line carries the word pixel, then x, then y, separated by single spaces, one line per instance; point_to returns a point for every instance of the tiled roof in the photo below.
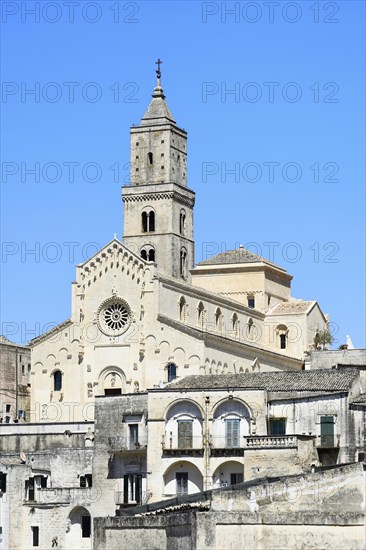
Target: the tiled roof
pixel 238 256
pixel 312 380
pixel 292 307
pixel 360 400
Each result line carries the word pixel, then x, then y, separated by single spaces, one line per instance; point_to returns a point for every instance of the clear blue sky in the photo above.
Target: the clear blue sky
pixel 293 131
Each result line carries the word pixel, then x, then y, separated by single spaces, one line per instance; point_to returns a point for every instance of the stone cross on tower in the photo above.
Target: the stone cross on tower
pixel 158 71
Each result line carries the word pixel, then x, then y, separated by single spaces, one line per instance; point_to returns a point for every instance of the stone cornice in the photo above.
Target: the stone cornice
pixel 211 269
pixel 151 197
pixel 49 333
pixel 224 342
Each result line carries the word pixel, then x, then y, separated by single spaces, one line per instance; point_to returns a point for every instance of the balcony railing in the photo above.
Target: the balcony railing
pixel 271 442
pixel 178 446
pixel 328 441
pixel 60 495
pixel 226 446
pixel 126 445
pixel 119 499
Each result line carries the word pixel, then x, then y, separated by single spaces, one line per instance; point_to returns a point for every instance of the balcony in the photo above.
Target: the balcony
pixel 126 446
pixel 327 441
pixel 271 442
pixel 185 446
pixel 119 499
pixel 56 496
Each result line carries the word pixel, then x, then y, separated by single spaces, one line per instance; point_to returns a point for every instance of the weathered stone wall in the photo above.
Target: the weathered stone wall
pixel 325 509
pixel 112 456
pixel 14 378
pixel 331 358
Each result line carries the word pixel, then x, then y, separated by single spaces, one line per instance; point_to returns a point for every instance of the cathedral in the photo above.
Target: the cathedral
pixel 181 406
pixel 142 314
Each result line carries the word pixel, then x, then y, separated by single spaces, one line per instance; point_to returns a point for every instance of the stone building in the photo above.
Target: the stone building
pixel 210 431
pixel 199 433
pixel 170 380
pixel 141 313
pixel 15 361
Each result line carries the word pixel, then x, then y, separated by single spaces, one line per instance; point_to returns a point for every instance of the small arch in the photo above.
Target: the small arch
pixel 218 320
pixel 200 314
pixel 79 531
pixel 148 220
pixel 181 478
pixel 182 222
pixel 147 253
pixel 235 325
pixel 183 263
pixel 230 472
pixel 182 309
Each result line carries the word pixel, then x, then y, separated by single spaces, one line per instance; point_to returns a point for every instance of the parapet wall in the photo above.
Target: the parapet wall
pixel 325 509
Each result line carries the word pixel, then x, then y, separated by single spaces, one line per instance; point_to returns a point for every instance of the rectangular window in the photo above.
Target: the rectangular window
pixel 7 408
pixel 29 489
pixel 43 482
pixel 132 489
pixel 7 420
pixel 251 302
pixel 35 535
pixel 181 483
pixel 232 430
pixel 236 478
pixel 85 527
pixel 134 435
pixel 2 482
pixel 327 431
pixel 86 480
pixel 185 434
pixel 277 426
pixel 283 341
pixel 23 370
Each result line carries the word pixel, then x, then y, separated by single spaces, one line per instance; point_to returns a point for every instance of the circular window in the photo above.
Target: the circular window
pixel 114 317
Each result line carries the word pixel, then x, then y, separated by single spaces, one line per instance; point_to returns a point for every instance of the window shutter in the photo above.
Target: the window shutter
pixel 125 489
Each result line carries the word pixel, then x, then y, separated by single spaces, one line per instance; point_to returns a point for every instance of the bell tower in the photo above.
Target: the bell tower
pixel 158 206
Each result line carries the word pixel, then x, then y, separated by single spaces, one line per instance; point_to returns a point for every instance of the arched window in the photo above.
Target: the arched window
pixel 235 325
pixel 57 381
pixel 218 320
pixel 182 222
pixel 150 158
pixel 200 315
pixel 183 263
pixel 148 221
pixel 182 309
pixel 148 253
pixel 249 327
pixel 282 332
pixel 172 371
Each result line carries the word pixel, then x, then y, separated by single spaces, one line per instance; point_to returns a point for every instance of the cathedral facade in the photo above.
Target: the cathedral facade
pixel 142 314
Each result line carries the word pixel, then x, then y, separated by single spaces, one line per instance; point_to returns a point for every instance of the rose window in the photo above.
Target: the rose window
pixel 114 317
